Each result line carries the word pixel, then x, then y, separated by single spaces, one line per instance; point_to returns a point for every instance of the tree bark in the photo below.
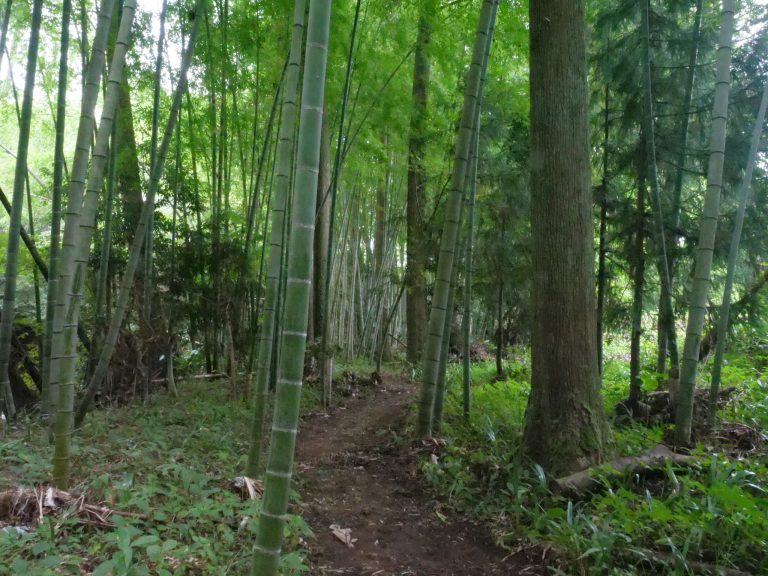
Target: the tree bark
pixel 416 299
pixel 565 426
pixel 635 384
pixel 322 234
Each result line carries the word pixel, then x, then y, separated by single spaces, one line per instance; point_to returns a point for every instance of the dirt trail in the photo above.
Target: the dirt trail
pixel 354 476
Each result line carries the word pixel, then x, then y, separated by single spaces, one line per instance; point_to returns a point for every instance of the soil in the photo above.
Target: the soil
pixel 357 473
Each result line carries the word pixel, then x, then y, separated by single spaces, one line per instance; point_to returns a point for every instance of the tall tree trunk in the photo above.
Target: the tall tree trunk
pixel 500 329
pixel 17 203
pixel 666 323
pixel 466 326
pixel 733 253
pixel 659 232
pixel 602 250
pixel 448 244
pixel 298 292
pixel 415 295
pixel 322 235
pixel 565 426
pixel 283 161
pixel 709 216
pixel 638 273
pixel 382 192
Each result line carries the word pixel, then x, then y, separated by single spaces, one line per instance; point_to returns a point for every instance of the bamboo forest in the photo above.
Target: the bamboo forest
pixel 383 287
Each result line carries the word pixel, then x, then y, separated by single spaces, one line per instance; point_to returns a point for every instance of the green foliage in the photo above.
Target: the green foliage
pixel 169 465
pixel 712 511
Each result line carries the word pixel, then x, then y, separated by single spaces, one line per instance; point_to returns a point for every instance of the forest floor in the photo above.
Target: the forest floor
pixel 359 476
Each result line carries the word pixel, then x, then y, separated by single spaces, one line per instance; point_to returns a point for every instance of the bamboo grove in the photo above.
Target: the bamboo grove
pixel 262 191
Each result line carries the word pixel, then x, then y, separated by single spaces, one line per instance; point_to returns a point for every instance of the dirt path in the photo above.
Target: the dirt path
pixel 354 476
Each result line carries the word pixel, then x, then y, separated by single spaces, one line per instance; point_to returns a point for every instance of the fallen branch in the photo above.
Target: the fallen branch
pixel 587 480
pixel 26 507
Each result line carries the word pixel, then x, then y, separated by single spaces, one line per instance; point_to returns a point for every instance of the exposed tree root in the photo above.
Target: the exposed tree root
pixel 657 559
pixel 588 480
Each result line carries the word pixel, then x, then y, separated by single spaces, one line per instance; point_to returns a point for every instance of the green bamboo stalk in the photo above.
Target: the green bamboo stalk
pixel 470 201
pixel 17 203
pixel 437 416
pixel 75 247
pixel 65 277
pixel 733 253
pixel 48 401
pixel 283 162
pixel 451 225
pixel 710 214
pixel 139 237
pixel 297 295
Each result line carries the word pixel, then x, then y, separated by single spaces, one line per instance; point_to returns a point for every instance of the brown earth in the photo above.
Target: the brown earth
pixel 355 474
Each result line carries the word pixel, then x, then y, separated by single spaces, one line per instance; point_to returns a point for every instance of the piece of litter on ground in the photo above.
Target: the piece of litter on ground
pixel 344 535
pixel 249 487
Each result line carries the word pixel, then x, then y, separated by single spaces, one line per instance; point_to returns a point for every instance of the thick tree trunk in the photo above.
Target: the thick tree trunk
pixel 416 300
pixel 565 426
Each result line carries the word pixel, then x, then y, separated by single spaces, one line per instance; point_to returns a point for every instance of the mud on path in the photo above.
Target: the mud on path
pixel 354 475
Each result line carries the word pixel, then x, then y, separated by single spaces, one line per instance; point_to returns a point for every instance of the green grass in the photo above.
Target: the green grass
pixel 171 462
pixel 715 511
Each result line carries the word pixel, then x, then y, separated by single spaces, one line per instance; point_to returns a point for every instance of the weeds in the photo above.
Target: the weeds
pixel 171 463
pixel 712 513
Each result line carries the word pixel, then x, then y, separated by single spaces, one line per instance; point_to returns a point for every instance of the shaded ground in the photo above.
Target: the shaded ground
pixel 354 476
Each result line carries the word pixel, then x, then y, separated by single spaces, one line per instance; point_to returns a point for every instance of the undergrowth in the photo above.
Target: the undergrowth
pixel 713 512
pixel 171 463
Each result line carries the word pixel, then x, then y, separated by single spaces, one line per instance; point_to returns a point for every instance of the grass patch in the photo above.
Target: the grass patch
pixel 170 461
